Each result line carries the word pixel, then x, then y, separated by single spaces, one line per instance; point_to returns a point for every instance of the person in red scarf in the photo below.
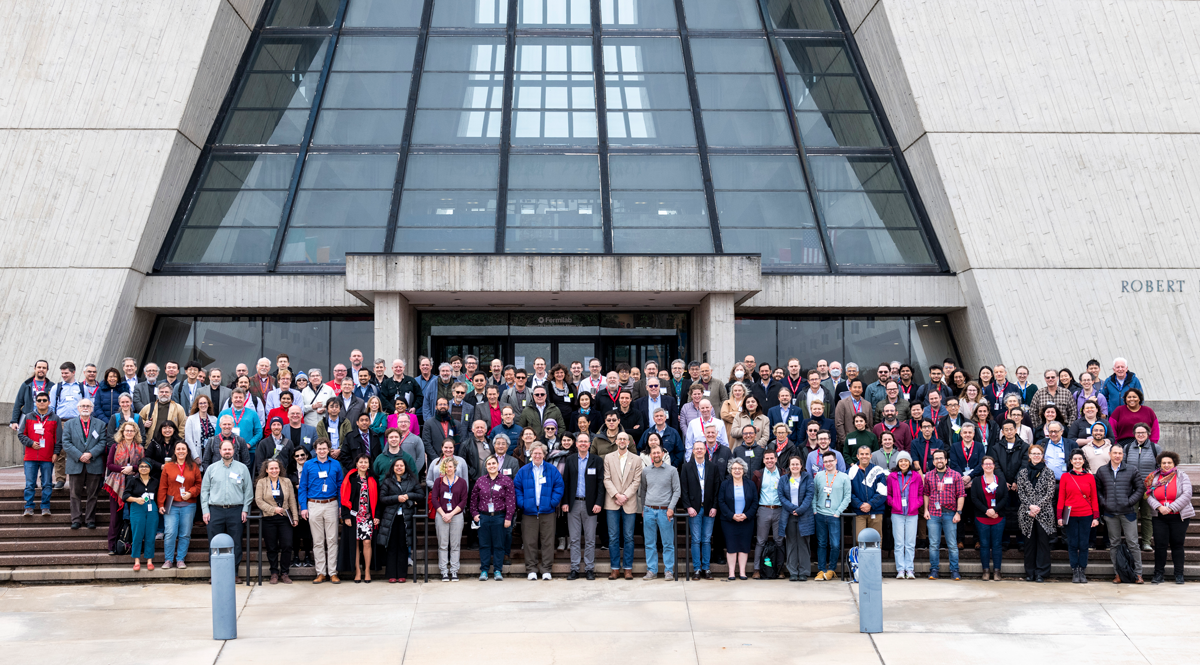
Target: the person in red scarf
pixel 1169 493
pixel 123 458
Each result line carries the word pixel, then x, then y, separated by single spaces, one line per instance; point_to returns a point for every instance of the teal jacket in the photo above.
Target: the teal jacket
pixel 839 496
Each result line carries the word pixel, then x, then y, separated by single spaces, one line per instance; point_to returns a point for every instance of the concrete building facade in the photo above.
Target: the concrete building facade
pixel 1050 147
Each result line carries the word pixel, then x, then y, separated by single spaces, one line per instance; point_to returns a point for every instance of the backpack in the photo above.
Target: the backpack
pixel 852 559
pixel 1123 562
pixel 768 568
pixel 124 539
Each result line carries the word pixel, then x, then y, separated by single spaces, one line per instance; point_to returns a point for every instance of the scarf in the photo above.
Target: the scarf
pixel 126 454
pixel 1162 487
pixel 1035 470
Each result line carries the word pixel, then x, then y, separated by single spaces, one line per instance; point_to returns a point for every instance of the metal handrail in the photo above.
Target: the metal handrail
pixel 252 517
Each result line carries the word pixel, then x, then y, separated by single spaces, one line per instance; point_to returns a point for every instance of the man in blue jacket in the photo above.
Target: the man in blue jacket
pixel 1118 383
pixel 539 490
pixel 672 443
pixel 868 493
pixel 788 413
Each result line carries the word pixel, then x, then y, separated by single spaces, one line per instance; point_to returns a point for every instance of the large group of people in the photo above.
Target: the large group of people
pixel 755 464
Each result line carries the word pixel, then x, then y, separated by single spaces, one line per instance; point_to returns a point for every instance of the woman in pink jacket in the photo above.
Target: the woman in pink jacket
pixel 904 498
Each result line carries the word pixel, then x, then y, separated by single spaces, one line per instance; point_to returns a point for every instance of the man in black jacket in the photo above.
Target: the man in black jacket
pixel 698 485
pixel 399 385
pixel 582 503
pixel 935 385
pixel 1119 489
pixel 1010 452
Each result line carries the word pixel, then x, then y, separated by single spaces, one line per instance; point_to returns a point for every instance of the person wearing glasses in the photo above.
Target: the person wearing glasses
pixel 302 534
pixel 39 431
pixel 535 415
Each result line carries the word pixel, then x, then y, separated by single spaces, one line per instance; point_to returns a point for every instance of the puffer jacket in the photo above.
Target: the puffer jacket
pixel 1119 494
pixel 389 495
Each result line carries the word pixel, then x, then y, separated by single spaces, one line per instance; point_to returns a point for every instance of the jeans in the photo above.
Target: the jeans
pixel 991 539
pixel 491 542
pixel 904 533
pixel 938 525
pixel 143 521
pixel 178 531
pixel 32 469
pixel 620 530
pixel 655 522
pixel 1078 531
pixel 701 527
pixel 829 541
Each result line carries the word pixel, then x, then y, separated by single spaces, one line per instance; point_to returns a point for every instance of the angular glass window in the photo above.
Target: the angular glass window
pixel 271 106
pixel 554 93
pixel 303 14
pixel 658 205
pixel 638 15
pixel 235 212
pixel 462 90
pixel 763 207
pixel 831 105
pixel 868 212
pixel 554 204
pixel 646 93
pixel 555 14
pixel 367 92
pixel 722 15
pixel 384 13
pixel 801 15
pixel 739 94
pixel 448 204
pixel 341 206
pixel 470 14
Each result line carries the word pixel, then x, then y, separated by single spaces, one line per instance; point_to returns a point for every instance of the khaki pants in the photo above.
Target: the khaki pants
pixel 537 534
pixel 868 521
pixel 60 469
pixel 1145 521
pixel 323 520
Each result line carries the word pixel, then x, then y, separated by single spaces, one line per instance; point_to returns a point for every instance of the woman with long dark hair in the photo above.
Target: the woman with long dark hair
pixel 359 497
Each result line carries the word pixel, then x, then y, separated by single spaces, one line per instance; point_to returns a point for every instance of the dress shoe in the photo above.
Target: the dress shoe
pixel 285 579
pixel 1029 578
pixel 1117 579
pixel 91 525
pixel 1158 579
pixel 75 525
pixel 591 575
pixel 1140 580
pixel 1039 579
pixel 756 575
pixel 573 575
pixel 996 575
pixel 1178 578
pixel 614 573
pixel 334 579
pixel 318 579
pixel 794 578
pixel 274 579
pixel 985 574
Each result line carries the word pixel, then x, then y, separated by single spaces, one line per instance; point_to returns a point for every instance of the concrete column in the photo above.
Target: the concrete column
pixel 713 326
pixel 395 329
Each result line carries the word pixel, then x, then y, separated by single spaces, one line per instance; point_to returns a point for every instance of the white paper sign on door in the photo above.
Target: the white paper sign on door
pixel 519 362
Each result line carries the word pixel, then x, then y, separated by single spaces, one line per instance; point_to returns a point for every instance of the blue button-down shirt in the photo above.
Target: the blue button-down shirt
pixel 313 486
pixel 580 484
pixel 1056 457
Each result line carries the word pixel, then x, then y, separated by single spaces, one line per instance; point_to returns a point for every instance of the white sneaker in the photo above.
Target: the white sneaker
pixel 546 576
pixel 909 575
pixel 899 574
pixel 532 577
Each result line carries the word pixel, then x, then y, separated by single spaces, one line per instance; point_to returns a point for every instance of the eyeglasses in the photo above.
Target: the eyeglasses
pixel 460 393
pixel 551 427
pixel 299 455
pixel 42 399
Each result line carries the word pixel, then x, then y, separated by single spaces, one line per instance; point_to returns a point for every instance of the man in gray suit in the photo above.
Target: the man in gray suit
pixel 145 393
pixel 83 443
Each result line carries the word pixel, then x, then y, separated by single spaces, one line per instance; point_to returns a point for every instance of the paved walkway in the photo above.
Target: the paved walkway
pixel 517 621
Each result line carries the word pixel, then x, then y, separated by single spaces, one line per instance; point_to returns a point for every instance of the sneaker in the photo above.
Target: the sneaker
pixel 445 578
pixel 532 577
pixel 899 574
pixel 650 576
pixel 831 574
pixel 908 575
pixel 1178 579
pixel 1146 547
pixel 59 484
pixel 453 577
pixel 562 544
pixel 497 576
pixel 45 512
pixel 933 574
pixel 573 575
pixel 483 577
pixel 28 512
pixel 955 576
pixel 669 577
pixel 166 565
pixel 546 577
pixel 181 565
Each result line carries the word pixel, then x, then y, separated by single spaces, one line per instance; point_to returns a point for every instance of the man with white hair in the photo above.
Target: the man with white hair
pixel 262 383
pixel 399 385
pixel 145 393
pixel 1119 382
pixel 314 398
pixel 212 447
pixel 82 444
pixel 695 430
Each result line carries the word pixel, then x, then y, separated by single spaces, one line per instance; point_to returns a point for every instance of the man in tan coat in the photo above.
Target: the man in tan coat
pixel 164 408
pixel 854 404
pixel 622 478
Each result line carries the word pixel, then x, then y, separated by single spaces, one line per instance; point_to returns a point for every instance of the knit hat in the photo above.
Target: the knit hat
pixel 903 455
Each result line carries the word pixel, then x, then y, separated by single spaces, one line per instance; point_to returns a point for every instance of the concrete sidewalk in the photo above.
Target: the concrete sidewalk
pixel 517 621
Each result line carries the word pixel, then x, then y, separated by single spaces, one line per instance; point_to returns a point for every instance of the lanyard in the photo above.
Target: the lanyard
pixel 792 385
pixel 966 452
pixel 237 417
pixel 38 388
pixel 87 426
pixel 829 478
pixel 857 405
pixel 91 392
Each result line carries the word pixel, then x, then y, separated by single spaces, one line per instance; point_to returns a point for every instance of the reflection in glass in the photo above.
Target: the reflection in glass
pixel 742 107
pixel 470 13
pixel 385 13
pixel 448 204
pixel 224 342
pixel 811 340
pixel 341 206
pixel 303 14
pixel 867 210
pixel 236 210
pixel 554 204
pixel 764 209
pixel 874 340
pixel 646 107
pixel 722 15
pixel 638 14
pixel 801 15
pixel 273 103
pixel 931 342
pixel 554 96
pixel 306 341
pixel 830 104
pixel 555 13
pixel 658 205
pixel 367 92
pixel 462 91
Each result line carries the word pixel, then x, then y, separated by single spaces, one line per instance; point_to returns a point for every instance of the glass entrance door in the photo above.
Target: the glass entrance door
pixel 636 353
pixel 484 348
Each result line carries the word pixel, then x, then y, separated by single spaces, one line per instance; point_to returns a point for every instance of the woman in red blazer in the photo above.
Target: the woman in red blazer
pixel 359 496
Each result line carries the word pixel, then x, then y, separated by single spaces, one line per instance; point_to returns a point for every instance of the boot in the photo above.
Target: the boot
pixel 1083 575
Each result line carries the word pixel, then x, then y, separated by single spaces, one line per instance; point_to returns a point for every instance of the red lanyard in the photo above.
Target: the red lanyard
pixel 38 389
pixel 237 418
pixel 967 452
pixel 86 425
pixel 857 405
pixel 93 391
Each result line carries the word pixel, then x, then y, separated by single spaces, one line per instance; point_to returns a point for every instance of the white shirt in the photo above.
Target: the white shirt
pixel 695 432
pixel 810 397
pixel 537 483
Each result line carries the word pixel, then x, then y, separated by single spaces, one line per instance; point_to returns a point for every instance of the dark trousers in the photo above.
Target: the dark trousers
pixel 302 537
pixel 491 542
pixel 397 551
pixel 227 520
pixel 1169 531
pixel 1037 552
pixel 277 532
pixel 537 536
pixel 1078 531
pixel 116 515
pixel 85 489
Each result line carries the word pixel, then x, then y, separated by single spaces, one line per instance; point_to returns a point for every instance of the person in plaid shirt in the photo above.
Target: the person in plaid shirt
pixel 943 488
